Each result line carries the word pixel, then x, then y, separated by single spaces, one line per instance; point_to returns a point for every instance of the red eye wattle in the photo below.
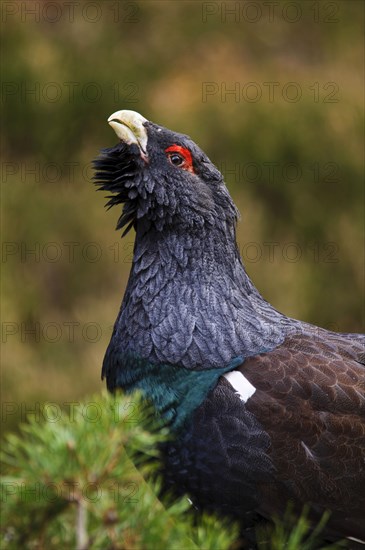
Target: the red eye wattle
pixel 180 157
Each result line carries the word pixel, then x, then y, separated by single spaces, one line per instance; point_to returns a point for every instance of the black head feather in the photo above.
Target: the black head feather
pixel 157 193
pixel 118 171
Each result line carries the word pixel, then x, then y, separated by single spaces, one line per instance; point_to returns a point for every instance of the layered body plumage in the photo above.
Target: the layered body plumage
pixel 266 409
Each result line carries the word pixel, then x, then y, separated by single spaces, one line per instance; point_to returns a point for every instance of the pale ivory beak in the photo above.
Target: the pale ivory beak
pixel 128 125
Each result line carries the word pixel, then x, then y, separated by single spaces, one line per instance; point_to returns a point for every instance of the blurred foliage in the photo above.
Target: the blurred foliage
pixel 157 57
pixel 303 535
pixel 71 482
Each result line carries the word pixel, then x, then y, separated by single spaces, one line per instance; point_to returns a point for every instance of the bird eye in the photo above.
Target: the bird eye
pixel 176 159
pixel 181 157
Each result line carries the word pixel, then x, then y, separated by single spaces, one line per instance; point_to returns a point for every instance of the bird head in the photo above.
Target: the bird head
pixel 163 179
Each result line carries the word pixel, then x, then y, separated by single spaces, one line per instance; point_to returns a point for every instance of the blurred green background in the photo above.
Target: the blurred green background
pixel 289 139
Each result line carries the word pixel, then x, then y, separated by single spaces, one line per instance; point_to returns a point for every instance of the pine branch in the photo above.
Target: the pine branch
pixel 82 539
pixel 74 484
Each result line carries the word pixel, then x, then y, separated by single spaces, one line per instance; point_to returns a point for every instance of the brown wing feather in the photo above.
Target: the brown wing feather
pixel 310 399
